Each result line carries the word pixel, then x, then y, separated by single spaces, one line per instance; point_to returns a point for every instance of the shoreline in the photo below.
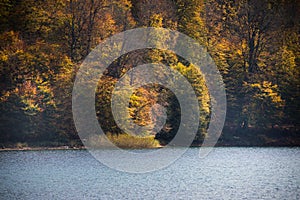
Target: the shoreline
pixel 229 138
pixel 192 146
pixel 42 148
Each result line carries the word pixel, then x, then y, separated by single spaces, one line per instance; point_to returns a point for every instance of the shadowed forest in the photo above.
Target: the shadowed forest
pixel 254 43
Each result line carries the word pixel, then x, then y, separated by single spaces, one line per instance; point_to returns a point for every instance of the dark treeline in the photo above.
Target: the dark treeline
pixel 255 44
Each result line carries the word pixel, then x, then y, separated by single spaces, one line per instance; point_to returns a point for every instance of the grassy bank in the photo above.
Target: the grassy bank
pixel 124 141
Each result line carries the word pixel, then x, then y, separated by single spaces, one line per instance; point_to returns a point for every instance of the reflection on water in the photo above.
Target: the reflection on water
pixel 226 173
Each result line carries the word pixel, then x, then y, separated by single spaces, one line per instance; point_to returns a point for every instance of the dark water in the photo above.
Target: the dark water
pixel 227 173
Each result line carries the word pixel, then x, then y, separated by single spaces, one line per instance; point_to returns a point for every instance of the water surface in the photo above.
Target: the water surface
pixel 226 173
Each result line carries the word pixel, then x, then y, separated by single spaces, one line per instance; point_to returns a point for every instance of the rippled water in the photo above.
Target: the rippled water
pixel 227 173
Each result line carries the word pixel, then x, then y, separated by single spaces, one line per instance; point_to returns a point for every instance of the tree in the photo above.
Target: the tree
pixel 247 28
pixel 191 19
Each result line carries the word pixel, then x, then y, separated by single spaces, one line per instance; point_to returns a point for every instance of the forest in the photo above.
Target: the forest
pixel 254 43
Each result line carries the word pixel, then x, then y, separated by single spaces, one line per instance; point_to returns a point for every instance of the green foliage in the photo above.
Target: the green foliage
pixel 198 83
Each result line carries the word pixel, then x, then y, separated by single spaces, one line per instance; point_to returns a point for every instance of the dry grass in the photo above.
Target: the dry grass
pixel 124 141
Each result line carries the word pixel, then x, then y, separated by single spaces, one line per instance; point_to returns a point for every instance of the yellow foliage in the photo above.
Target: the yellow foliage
pixel 267 90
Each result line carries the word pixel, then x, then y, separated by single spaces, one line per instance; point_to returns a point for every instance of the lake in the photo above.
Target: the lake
pixel 226 173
